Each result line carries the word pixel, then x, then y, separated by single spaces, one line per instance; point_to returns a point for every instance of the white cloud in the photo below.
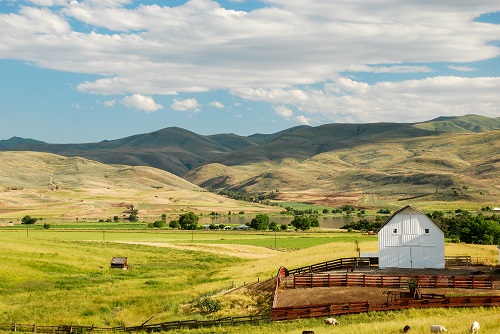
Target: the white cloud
pixel 199 45
pixel 283 111
pixel 303 120
pixel 289 53
pixel 109 103
pixel 461 68
pixel 346 100
pixel 217 104
pixel 141 102
pixel 185 105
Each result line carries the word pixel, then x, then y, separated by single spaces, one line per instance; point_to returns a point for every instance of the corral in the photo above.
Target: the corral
pixel 342 291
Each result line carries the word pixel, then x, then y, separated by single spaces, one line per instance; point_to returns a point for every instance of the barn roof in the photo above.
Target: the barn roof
pixel 402 209
pixel 119 260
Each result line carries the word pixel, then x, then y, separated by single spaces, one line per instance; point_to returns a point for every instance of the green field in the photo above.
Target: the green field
pixel 62 276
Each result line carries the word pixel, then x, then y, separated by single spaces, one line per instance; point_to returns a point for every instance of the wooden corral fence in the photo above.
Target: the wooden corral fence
pixel 386 281
pixel 165 326
pixel 322 310
pixel 351 262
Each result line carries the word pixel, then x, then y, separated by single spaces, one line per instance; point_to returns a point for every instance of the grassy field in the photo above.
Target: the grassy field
pixel 62 276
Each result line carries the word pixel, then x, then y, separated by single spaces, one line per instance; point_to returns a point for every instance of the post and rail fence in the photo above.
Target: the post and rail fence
pixel 392 281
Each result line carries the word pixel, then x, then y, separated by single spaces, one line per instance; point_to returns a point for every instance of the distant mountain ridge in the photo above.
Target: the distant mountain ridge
pixel 342 157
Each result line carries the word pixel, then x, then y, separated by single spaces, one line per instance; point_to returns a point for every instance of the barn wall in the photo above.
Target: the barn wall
pixel 403 242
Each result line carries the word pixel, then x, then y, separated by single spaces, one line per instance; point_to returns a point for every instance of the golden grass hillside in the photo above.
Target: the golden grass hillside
pixel 55 187
pixel 458 167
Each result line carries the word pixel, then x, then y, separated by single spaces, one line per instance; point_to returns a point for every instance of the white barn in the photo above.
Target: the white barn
pixel 410 239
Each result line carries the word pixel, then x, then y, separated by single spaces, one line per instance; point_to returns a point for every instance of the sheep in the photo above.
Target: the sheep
pixel 331 321
pixel 474 328
pixel 437 329
pixel 406 329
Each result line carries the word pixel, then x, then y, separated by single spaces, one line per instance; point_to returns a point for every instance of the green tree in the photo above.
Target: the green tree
pixel 28 220
pixel 260 222
pixel 189 221
pixel 305 222
pixel 159 224
pixel 174 224
pixel 273 226
pixel 132 211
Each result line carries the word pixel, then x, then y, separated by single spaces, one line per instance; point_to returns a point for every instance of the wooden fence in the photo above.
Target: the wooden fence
pixel 165 326
pixel 351 262
pixel 322 310
pixel 386 281
pixel 354 262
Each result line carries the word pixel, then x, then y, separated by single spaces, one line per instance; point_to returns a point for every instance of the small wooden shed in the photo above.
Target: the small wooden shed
pixel 410 239
pixel 119 263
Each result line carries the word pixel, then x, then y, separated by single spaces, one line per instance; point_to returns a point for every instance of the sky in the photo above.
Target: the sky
pixel 91 70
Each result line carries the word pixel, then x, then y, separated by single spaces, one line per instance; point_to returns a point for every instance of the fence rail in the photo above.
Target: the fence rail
pixel 341 263
pixel 321 310
pixel 385 281
pixel 165 326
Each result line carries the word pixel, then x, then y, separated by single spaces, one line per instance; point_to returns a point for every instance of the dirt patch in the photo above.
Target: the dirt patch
pixel 323 295
pixel 241 251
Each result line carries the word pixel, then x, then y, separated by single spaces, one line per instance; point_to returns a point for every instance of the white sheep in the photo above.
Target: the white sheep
pixel 331 321
pixel 474 328
pixel 437 329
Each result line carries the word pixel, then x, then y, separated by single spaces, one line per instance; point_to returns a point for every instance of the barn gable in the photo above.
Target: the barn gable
pixel 410 239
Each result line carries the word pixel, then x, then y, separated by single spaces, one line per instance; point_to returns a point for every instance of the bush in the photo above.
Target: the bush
pixel 207 305
pixel 46 226
pixel 159 224
pixel 28 220
pixel 174 224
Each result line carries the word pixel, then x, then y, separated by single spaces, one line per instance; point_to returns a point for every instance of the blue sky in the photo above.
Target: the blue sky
pixel 90 70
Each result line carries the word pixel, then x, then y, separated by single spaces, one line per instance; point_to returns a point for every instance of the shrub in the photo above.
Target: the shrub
pixel 207 305
pixel 159 224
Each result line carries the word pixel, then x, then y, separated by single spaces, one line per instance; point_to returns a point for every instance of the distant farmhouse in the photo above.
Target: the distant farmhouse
pixel 410 239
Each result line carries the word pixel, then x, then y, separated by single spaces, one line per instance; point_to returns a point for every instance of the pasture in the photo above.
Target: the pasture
pixel 62 276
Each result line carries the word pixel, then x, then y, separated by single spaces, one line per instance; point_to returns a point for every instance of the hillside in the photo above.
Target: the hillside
pixel 58 187
pixel 448 158
pixel 439 167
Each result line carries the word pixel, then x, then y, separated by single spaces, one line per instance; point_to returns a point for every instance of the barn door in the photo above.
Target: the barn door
pixel 418 257
pixel 404 257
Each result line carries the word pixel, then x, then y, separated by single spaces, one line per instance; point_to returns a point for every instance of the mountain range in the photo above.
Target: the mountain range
pixel 447 156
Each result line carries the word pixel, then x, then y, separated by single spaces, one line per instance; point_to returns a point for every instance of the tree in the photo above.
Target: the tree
pixel 132 211
pixel 273 226
pixel 260 222
pixel 159 224
pixel 189 221
pixel 305 222
pixel 28 220
pixel 174 224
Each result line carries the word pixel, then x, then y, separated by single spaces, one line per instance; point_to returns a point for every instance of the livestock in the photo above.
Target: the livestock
pixel 474 328
pixel 331 321
pixel 437 329
pixel 406 329
pixel 307 332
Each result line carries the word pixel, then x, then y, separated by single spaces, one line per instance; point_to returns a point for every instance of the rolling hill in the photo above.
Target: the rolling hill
pixel 65 188
pixel 447 158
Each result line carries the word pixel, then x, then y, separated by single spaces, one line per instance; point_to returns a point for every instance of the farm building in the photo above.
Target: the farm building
pixel 410 239
pixel 119 263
